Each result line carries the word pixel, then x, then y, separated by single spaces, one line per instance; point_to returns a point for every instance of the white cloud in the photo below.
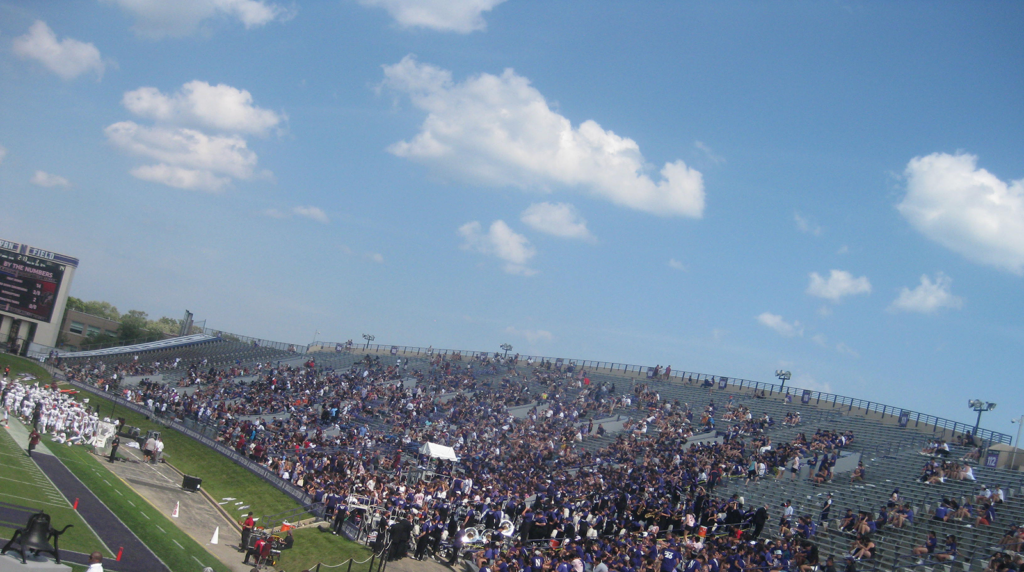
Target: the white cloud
pixel 160 18
pixel 532 336
pixel 68 58
pixel 840 283
pixel 376 257
pixel 844 249
pixel 188 159
pixel 44 179
pixel 200 104
pixel 557 219
pixel 3 153
pixel 500 131
pixel 803 224
pixel 461 16
pixel 820 339
pixel 312 213
pixel 709 153
pixel 274 213
pixel 781 326
pixel 675 264
pixel 502 242
pixel 846 350
pixel 928 297
pixel 966 209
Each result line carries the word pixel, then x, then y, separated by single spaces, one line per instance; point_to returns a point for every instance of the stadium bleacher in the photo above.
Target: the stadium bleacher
pixel 890 453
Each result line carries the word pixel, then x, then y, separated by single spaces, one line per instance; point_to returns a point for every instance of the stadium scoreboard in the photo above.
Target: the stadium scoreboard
pixel 34 286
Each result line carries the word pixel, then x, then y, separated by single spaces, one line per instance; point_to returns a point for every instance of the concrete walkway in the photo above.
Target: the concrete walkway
pixel 160 485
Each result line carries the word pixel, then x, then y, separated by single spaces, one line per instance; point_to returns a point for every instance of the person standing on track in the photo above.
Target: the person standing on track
pixel 95 562
pixel 113 448
pixel 33 440
pixel 247 526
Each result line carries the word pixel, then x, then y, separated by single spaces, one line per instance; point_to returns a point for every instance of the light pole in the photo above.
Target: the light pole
pixel 368 339
pixel 981 407
pixel 1013 456
pixel 507 347
pixel 783 376
pixel 314 338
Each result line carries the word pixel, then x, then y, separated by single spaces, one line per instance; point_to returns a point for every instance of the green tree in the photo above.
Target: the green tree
pixel 165 325
pixel 133 326
pixel 95 308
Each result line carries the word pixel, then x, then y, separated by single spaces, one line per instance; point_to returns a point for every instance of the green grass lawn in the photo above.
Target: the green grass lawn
pixel 313 546
pixel 29 487
pixel 162 542
pixel 222 477
pixel 21 365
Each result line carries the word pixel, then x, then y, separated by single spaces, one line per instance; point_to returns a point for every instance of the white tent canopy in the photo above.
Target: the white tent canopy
pixel 438 451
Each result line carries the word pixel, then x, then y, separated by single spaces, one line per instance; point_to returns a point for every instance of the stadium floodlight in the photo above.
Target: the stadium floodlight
pixel 981 407
pixel 507 347
pixel 368 339
pixel 1013 456
pixel 783 376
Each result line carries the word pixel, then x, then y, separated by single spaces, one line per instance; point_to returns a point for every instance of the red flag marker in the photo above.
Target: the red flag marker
pixel 119 552
pixel 76 505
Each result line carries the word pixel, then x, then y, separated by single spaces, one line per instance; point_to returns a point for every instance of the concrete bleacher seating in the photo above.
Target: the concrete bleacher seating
pixel 889 452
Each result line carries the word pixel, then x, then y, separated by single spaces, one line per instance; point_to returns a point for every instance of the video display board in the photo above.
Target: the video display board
pixel 29 282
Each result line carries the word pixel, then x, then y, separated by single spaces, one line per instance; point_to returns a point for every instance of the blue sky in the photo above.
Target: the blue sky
pixel 732 188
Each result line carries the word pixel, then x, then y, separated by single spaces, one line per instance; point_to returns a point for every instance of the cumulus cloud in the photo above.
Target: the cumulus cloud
pixel 675 264
pixel 966 209
pixel 804 225
pixel 312 213
pixel 160 18
pixel 840 283
pixel 532 336
pixel 200 104
pixel 820 339
pixel 928 297
pixel 68 58
pixel 781 326
pixel 44 179
pixel 188 159
pixel 557 219
pixel 462 16
pixel 502 242
pixel 500 131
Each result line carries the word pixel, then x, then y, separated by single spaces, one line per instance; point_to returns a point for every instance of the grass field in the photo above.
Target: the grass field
pixel 313 546
pixel 23 484
pixel 22 365
pixel 222 478
pixel 177 549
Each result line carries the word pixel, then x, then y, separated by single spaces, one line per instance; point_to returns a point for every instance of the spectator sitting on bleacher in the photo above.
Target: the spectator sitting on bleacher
pixel 984 495
pixel 965 511
pixel 902 516
pixel 863 548
pixel 986 516
pixel 944 510
pixel 966 473
pixel 997 495
pixel 1013 539
pixel 950 551
pixel 848 522
pixel 928 548
pixel 859 473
